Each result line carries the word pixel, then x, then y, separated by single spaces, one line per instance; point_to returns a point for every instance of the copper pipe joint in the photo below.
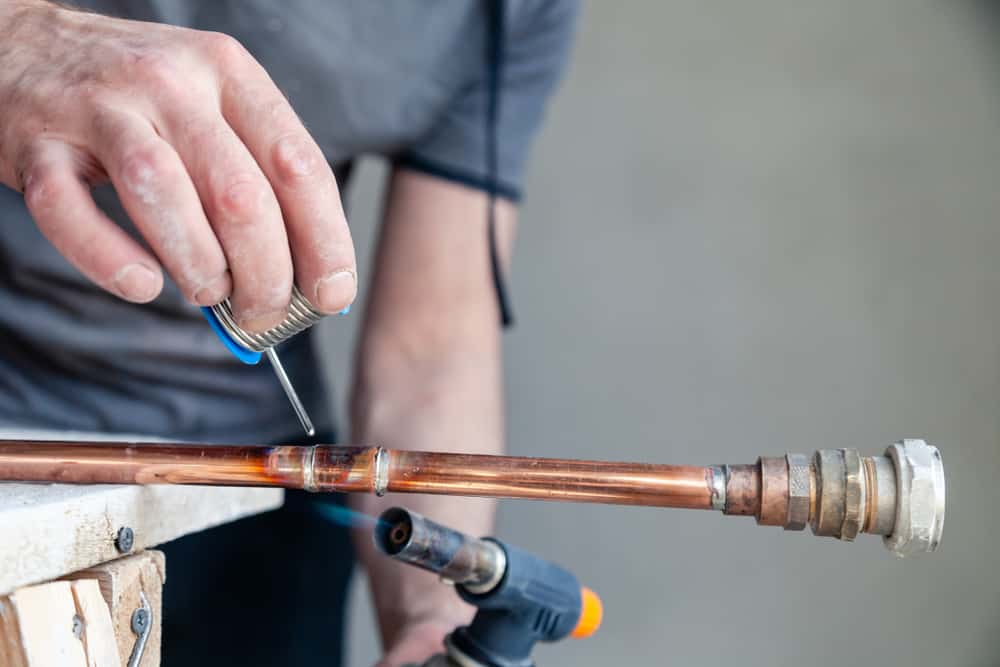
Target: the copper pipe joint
pixel 742 490
pixel 773 507
pixel 841 494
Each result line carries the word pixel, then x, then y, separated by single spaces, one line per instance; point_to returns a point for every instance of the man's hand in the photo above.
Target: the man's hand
pixel 208 158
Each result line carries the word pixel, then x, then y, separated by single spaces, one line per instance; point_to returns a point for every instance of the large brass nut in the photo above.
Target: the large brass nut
pixel 920 497
pixel 798 491
pixel 828 519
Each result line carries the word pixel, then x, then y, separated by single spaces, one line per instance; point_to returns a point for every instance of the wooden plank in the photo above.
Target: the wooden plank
pixel 48 530
pixel 60 623
pixel 11 648
pixel 98 634
pixel 45 626
pixel 121 582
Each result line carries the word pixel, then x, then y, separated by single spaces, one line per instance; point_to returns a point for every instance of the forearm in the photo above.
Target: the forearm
pixel 428 372
pixel 444 398
pixel 448 413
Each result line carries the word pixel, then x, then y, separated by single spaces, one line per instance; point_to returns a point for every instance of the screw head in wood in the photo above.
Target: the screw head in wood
pixel 124 540
pixel 140 619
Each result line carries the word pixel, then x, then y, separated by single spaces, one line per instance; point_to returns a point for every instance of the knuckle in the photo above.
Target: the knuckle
pixel 157 68
pixel 41 188
pixel 20 137
pixel 296 158
pixel 105 123
pixel 90 95
pixel 242 198
pixel 225 49
pixel 141 167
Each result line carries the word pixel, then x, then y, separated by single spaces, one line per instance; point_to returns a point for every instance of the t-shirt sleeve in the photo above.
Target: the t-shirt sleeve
pixel 536 40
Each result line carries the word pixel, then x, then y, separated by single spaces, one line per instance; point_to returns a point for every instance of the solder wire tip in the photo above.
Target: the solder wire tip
pixel 293 398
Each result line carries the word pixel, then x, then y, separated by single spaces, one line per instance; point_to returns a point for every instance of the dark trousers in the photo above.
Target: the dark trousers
pixel 265 591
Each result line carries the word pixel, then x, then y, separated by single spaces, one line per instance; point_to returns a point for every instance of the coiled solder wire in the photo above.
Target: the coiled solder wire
pixel 301 316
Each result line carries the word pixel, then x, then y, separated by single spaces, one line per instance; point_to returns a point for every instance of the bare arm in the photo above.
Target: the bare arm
pixel 428 376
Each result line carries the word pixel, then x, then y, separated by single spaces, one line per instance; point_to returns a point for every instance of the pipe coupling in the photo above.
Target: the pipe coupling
pixel 840 493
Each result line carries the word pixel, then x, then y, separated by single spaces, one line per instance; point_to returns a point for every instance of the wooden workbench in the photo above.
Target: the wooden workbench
pixel 68 585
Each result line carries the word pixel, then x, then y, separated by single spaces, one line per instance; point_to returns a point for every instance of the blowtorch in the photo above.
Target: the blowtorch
pixel 521 598
pixel 837 492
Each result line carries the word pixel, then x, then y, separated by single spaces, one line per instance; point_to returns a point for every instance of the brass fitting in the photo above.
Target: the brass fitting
pixel 840 493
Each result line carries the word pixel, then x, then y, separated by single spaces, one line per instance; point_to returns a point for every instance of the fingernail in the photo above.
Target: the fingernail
pixel 138 282
pixel 259 322
pixel 214 291
pixel 336 291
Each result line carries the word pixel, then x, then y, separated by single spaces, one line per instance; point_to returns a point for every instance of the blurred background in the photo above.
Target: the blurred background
pixel 753 228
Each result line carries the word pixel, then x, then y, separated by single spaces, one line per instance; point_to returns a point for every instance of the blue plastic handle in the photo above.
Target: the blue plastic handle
pixel 248 357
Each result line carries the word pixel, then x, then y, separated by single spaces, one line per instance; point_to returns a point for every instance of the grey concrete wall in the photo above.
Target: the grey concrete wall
pixel 754 228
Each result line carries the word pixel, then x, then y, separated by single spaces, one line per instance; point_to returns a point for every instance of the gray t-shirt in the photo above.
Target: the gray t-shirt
pixel 407 80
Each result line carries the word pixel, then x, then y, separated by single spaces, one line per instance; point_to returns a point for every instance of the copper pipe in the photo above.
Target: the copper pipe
pixel 359 469
pixel 551 479
pixel 838 493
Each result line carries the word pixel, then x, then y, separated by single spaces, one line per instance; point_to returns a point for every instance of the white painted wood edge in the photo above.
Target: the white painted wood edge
pixel 49 530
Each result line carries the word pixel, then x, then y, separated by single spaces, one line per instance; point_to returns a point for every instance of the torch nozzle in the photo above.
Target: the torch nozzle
pixel 397 537
pixel 476 564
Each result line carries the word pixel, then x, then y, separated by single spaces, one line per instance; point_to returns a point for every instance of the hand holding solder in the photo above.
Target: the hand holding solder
pixel 232 195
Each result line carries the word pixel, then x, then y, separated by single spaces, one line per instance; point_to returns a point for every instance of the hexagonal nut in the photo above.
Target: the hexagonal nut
pixel 798 492
pixel 920 498
pixel 828 514
pixel 854 495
